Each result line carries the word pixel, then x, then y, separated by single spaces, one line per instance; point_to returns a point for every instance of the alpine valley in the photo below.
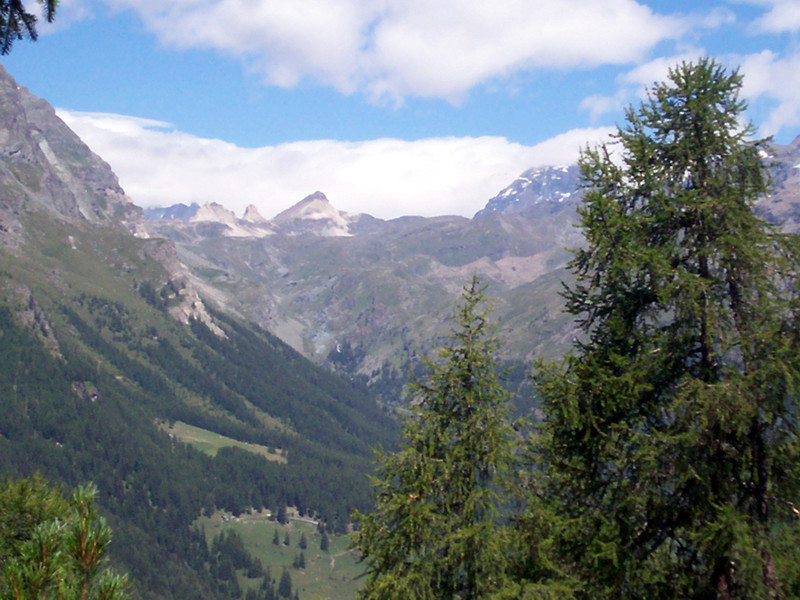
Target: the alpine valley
pixel 202 368
pixel 367 297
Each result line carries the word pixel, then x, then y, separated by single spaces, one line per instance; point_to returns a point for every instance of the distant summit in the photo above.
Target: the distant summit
pixel 180 212
pixel 536 186
pixel 44 166
pixel 315 214
pixel 252 215
pixel 216 213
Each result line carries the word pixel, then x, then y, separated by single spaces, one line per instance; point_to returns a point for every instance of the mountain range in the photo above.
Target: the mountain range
pixel 128 334
pixel 369 296
pixel 115 368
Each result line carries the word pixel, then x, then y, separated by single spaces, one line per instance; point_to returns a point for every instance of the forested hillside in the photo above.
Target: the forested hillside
pixel 104 345
pixel 667 461
pixel 87 377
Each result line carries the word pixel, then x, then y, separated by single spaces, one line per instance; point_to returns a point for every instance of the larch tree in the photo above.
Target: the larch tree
pixel 435 532
pixel 17 23
pixel 670 447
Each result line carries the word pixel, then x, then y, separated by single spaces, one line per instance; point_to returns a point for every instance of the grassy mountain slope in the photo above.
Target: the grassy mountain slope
pixel 369 304
pixel 103 342
pixel 89 368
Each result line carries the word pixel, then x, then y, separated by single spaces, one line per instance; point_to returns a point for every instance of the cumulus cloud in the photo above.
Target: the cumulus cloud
pixel 385 177
pixel 68 13
pixel 781 16
pixel 775 78
pixel 392 49
pixel 770 79
pixel 633 84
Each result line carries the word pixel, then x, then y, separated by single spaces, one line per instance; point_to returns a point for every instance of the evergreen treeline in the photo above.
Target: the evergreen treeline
pixel 667 463
pixel 90 412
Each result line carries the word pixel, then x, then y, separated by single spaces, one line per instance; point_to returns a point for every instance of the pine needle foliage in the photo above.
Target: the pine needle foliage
pixel 670 444
pixel 53 548
pixel 435 531
pixel 16 23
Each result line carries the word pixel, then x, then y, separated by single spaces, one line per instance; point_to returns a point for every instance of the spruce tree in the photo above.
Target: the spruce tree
pixel 670 445
pixel 434 532
pixel 285 585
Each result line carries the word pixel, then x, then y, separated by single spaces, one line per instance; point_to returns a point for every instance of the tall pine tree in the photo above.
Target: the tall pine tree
pixel 670 444
pixel 434 533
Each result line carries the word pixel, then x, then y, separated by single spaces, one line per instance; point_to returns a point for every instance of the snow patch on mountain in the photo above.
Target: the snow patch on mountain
pixel 542 184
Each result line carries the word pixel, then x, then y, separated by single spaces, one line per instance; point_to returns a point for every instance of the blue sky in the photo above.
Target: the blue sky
pixel 390 107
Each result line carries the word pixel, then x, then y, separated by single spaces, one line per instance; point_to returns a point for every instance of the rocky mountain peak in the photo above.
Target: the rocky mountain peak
pixel 535 186
pixel 44 166
pixel 315 214
pixel 252 215
pixel 314 206
pixel 214 211
pixel 316 196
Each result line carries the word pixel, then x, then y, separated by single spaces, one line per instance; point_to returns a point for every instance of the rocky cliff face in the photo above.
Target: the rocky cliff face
pixel 782 206
pixel 44 166
pixel 536 186
pixel 371 295
pixel 45 169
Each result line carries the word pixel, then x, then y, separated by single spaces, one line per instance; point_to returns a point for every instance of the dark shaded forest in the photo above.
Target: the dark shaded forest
pixel 90 414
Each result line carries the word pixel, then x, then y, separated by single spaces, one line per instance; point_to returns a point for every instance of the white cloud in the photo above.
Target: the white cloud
pixel 634 84
pixel 400 48
pixel 598 105
pixel 769 78
pixel 384 177
pixel 782 15
pixel 775 78
pixel 447 47
pixel 717 17
pixel 67 13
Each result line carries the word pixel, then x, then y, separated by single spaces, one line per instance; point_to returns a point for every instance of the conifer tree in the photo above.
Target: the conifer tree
pixel 53 548
pixel 285 585
pixel 282 517
pixel 16 23
pixel 434 532
pixel 670 444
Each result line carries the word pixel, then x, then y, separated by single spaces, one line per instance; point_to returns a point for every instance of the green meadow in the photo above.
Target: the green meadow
pixel 328 575
pixel 210 442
